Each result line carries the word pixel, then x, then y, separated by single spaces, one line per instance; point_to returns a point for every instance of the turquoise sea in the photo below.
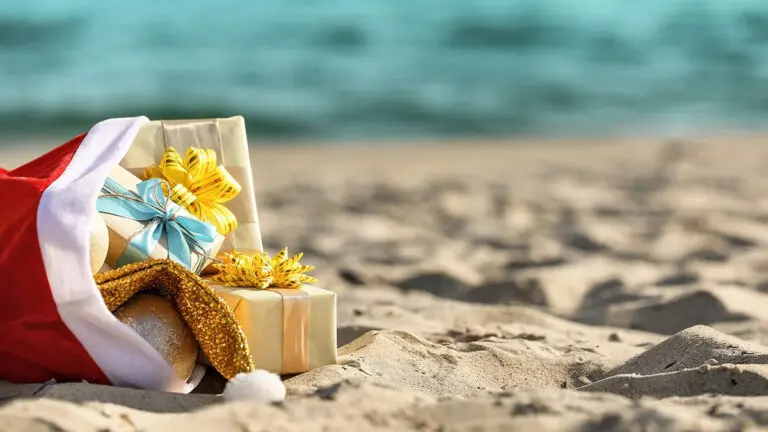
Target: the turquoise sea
pixel 388 68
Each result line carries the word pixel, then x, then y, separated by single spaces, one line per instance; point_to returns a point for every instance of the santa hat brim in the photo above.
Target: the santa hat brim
pixel 57 326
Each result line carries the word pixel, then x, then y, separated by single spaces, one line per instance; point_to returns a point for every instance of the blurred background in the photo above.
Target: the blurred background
pixel 383 69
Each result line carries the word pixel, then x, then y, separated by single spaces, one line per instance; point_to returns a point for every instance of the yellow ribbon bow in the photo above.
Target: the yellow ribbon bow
pixel 199 185
pixel 261 271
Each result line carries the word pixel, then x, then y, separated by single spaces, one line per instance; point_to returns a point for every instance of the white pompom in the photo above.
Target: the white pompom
pixel 258 386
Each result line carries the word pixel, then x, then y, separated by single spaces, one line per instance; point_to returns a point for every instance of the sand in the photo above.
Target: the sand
pixel 575 286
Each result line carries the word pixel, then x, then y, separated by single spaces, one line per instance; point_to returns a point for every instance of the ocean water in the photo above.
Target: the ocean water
pixel 369 69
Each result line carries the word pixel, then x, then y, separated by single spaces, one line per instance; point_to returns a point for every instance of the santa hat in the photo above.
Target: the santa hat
pixel 54 323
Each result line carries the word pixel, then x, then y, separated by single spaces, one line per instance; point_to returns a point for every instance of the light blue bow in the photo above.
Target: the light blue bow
pixel 185 234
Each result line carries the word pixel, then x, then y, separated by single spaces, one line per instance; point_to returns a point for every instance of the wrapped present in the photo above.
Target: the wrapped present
pixel 290 325
pixel 143 224
pixel 98 243
pixel 226 147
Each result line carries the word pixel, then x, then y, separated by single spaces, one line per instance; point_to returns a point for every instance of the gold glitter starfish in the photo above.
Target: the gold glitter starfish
pixel 260 271
pixel 210 319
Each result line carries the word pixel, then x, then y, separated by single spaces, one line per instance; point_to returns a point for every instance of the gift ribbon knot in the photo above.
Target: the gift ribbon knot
pixel 262 272
pixel 185 234
pixel 198 184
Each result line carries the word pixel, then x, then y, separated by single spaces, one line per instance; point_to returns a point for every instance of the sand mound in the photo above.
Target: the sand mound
pixel 692 348
pixel 695 361
pixel 407 361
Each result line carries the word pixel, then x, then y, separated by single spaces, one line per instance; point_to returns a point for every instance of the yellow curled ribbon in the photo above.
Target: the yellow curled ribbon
pixel 262 272
pixel 199 185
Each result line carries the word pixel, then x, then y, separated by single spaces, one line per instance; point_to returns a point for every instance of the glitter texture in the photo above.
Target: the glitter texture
pixel 210 319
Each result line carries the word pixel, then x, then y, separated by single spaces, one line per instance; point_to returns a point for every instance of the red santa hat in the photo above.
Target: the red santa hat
pixel 54 323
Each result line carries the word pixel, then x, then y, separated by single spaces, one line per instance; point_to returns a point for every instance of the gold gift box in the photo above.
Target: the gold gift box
pixel 122 229
pixel 288 331
pixel 227 137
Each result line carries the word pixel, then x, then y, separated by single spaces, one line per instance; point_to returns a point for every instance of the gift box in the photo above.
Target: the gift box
pixel 227 138
pixel 288 330
pixel 143 224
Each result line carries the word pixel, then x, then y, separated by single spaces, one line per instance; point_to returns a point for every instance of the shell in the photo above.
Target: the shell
pixel 156 320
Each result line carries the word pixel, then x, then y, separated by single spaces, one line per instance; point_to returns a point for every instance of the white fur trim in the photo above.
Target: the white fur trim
pixel 258 386
pixel 63 226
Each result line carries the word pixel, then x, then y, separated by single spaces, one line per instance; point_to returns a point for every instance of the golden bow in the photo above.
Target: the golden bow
pixel 261 271
pixel 199 185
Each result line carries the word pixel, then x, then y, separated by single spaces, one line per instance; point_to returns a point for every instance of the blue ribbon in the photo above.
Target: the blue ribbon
pixel 185 234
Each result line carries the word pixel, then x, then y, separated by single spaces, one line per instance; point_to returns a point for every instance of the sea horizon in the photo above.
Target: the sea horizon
pixel 377 71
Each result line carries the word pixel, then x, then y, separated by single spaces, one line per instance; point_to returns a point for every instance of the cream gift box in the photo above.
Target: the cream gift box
pixel 288 331
pixel 227 137
pixel 123 229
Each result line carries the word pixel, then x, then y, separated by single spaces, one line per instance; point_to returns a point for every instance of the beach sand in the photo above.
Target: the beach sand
pixel 575 286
